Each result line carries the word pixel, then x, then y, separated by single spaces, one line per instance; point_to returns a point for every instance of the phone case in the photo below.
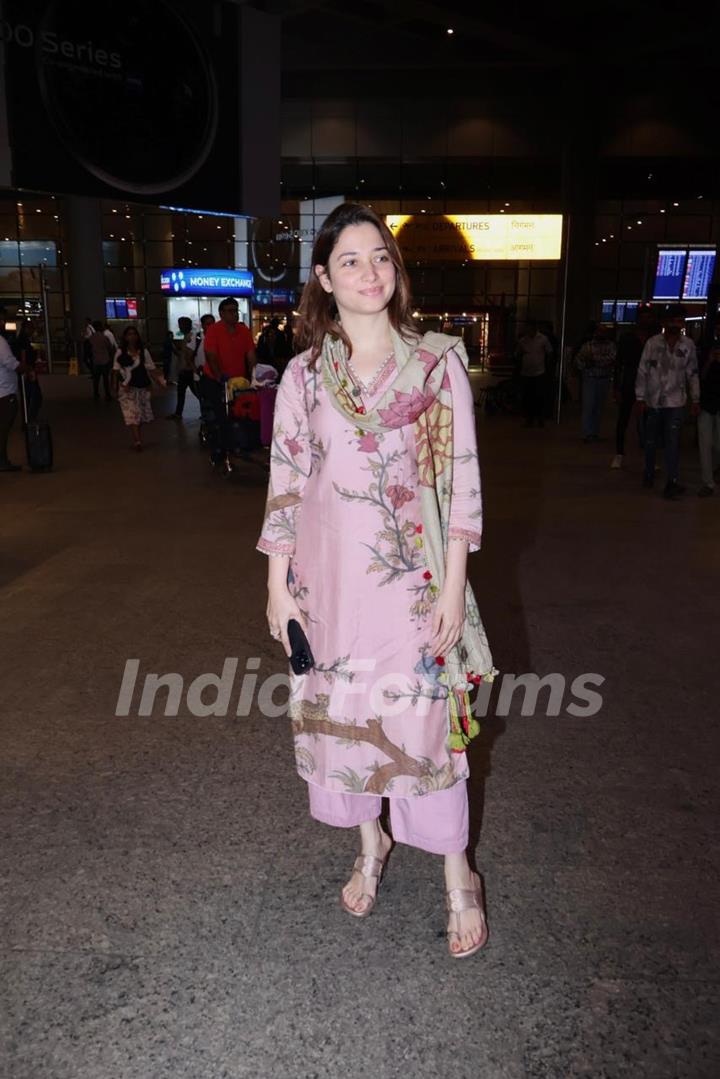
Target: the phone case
pixel 301 657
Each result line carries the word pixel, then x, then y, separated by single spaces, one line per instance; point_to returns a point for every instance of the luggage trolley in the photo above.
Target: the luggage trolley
pixel 244 426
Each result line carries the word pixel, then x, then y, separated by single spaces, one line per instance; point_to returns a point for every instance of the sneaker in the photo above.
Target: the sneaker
pixel 617 461
pixel 9 467
pixel 173 416
pixel 705 491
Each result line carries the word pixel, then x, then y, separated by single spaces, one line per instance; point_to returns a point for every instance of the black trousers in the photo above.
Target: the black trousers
pixel 8 412
pixel 186 381
pixel 212 395
pixel 533 397
pixel 101 371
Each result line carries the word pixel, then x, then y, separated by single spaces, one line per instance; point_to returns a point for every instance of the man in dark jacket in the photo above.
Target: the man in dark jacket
pixel 629 351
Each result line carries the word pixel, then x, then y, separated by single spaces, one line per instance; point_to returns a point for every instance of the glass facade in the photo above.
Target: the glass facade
pixel 489 299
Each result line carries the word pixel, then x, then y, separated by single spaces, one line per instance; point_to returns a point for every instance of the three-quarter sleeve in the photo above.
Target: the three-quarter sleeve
pixel 290 464
pixel 466 502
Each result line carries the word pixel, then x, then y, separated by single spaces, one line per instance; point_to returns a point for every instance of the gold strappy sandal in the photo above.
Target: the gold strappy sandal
pixel 459 900
pixel 368 866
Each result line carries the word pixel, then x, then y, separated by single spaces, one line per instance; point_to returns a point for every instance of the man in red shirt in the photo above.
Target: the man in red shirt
pixel 229 353
pixel 229 347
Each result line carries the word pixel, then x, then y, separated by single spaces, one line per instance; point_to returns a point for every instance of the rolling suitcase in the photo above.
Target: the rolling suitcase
pixel 244 421
pixel 38 440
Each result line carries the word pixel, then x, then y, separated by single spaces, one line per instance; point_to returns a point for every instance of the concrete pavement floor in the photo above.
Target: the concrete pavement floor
pixel 168 907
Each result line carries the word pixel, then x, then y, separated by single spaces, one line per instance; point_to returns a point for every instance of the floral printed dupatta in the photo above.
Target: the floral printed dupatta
pixel 420 395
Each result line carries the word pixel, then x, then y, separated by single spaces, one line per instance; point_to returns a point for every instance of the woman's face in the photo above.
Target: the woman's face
pixel 132 338
pixel 360 273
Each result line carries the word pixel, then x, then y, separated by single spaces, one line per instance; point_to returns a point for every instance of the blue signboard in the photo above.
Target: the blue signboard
pixel 204 282
pixel 698 274
pixel 269 297
pixel 669 274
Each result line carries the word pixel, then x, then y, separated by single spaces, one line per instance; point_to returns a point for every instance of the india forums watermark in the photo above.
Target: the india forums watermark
pixel 243 692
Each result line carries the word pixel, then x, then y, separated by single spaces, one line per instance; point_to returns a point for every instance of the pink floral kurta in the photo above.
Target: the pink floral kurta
pixel 371 717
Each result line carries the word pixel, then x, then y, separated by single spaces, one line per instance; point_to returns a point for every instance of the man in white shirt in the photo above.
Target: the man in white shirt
pixel 532 354
pixel 668 365
pixel 186 379
pixel 10 368
pixel 205 321
pixel 111 338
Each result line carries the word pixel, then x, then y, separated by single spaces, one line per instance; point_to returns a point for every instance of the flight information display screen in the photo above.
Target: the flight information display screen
pixel 698 274
pixel 619 310
pixel 670 273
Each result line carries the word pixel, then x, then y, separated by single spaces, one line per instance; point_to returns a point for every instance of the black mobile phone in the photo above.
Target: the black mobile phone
pixel 301 658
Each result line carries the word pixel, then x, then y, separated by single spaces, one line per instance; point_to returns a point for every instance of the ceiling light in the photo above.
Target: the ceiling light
pixel 676 204
pixel 450 30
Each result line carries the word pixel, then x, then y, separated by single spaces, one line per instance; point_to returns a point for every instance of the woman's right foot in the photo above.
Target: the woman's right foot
pixel 358 895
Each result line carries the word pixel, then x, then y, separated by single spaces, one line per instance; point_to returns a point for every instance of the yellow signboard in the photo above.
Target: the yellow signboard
pixel 482 237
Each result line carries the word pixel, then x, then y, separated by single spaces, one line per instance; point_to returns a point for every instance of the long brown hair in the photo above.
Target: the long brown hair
pixel 318 312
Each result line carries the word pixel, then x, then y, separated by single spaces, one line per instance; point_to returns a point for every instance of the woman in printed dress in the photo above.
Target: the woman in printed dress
pixel 374 502
pixel 135 372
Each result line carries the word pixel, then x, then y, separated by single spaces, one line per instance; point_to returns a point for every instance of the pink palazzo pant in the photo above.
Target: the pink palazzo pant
pixel 437 822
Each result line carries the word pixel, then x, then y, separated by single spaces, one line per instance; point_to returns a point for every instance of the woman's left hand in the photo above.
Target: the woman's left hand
pixel 448 618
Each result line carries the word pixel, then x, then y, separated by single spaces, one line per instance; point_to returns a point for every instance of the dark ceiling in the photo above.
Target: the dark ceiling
pixel 366 35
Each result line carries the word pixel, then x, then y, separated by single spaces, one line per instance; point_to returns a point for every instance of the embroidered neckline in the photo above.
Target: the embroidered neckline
pixel 367 389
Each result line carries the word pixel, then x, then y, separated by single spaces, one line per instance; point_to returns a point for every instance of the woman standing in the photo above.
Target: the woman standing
pixel 135 372
pixel 374 502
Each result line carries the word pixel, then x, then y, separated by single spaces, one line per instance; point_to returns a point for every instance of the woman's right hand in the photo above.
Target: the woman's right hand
pixel 281 607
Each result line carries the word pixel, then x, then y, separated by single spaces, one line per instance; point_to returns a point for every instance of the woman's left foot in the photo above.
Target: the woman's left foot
pixel 467 929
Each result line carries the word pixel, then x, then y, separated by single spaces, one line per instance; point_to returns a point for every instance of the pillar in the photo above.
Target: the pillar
pixel 87 290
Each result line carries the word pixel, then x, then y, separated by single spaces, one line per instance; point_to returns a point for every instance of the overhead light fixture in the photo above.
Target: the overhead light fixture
pixel 450 30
